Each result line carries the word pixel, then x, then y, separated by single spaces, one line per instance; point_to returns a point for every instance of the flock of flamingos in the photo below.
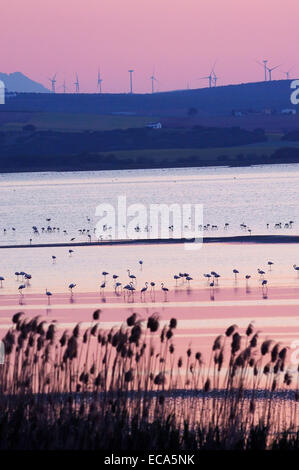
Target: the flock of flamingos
pixel 129 288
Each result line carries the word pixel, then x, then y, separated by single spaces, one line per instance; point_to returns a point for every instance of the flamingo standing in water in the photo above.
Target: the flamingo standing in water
pixel 165 290
pixel 270 264
pixel 102 287
pixel 296 268
pixel 131 276
pixel 212 290
pixel 20 289
pixel 71 252
pixel 1 280
pixel 143 290
pixel 261 272
pixel 264 286
pixel 247 277
pixel 140 263
pixel 132 290
pixel 53 259
pixel 176 277
pixel 71 287
pixel 236 272
pixel 48 294
pixel 104 273
pixel 116 287
pixel 17 274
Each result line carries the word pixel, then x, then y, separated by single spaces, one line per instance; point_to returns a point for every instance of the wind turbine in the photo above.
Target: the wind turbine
pixel 208 77
pixel 287 74
pixel 270 70
pixel 64 87
pixel 153 80
pixel 99 82
pixel 211 77
pixel 77 85
pixel 264 65
pixel 53 82
pixel 215 78
pixel 131 80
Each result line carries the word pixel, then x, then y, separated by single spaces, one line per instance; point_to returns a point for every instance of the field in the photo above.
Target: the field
pixel 75 121
pixel 210 154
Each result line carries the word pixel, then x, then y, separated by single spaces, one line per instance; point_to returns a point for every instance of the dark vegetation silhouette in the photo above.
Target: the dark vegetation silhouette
pixel 128 389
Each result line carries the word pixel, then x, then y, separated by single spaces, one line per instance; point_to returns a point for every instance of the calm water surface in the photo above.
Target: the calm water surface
pixel 254 196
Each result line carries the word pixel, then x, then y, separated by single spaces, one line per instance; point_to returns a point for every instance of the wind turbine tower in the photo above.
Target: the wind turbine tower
pixel 153 80
pixel 99 82
pixel 53 83
pixel 208 77
pixel 287 74
pixel 77 85
pixel 265 68
pixel 270 70
pixel 131 80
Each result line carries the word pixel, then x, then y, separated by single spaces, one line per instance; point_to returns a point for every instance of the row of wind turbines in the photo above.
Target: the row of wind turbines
pixel 76 84
pixel 268 70
pixel 212 78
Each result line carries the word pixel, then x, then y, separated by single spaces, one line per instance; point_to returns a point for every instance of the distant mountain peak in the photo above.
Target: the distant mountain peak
pixel 18 82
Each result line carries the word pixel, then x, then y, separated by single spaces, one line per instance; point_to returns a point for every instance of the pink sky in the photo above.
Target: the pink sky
pixel 180 38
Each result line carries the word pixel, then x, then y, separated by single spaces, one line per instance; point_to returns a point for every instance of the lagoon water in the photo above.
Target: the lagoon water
pixel 256 196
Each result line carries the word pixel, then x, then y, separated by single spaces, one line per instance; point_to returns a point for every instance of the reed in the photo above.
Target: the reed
pixel 127 388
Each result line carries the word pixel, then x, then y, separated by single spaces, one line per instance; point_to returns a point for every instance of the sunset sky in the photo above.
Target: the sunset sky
pixel 180 39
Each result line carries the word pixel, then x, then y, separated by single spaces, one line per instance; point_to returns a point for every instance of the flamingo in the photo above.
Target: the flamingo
pixel 176 277
pixel 236 272
pixel 189 278
pixel 17 274
pixel 1 280
pixel 132 289
pixel 270 264
pixel 264 286
pixel 296 268
pixel 141 263
pixel 102 287
pixel 48 294
pixel 131 276
pixel 116 286
pixel 165 290
pixel 217 276
pixel 71 287
pixel 20 289
pixel 261 272
pixel 207 276
pixel 212 290
pixel 104 273
pixel 143 290
pixel 126 288
pixel 71 252
pixel 53 259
